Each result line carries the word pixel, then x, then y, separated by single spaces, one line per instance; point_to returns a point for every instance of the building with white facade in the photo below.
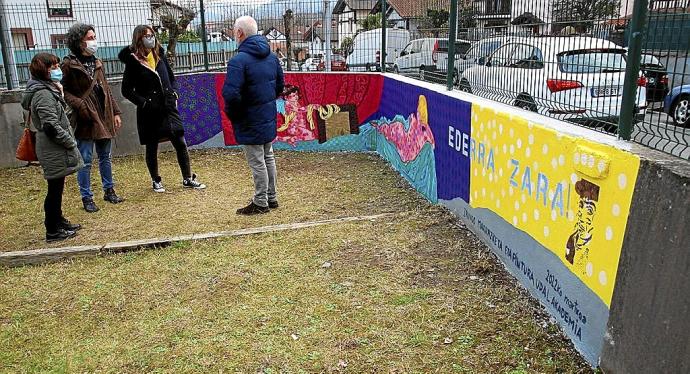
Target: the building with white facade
pixel 348 14
pixel 42 24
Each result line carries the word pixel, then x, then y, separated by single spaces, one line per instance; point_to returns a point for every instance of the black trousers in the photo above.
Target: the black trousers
pixel 182 157
pixel 53 204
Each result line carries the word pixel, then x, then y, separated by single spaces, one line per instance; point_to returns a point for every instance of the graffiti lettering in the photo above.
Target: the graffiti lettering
pixel 557 200
pixel 468 147
pixel 567 319
pixel 553 281
pixel 458 140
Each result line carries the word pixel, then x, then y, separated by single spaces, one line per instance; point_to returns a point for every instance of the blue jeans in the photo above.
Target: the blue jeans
pixel 103 147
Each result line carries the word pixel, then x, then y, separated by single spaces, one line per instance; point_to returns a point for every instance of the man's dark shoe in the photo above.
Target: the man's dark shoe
pixel 252 209
pixel 60 234
pixel 66 225
pixel 111 197
pixel 89 204
pixel 273 204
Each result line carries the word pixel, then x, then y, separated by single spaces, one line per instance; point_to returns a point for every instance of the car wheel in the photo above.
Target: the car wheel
pixel 422 73
pixel 465 86
pixel 680 111
pixel 456 78
pixel 396 70
pixel 526 103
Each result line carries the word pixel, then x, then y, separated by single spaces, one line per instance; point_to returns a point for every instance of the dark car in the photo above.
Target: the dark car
pixel 338 63
pixel 657 78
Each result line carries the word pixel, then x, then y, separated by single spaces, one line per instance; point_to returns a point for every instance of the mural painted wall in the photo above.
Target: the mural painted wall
pixel 552 207
pixel 315 112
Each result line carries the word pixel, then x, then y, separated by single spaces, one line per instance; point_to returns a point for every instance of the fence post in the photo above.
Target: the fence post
pixel 632 69
pixel 7 52
pixel 450 67
pixel 202 11
pixel 384 26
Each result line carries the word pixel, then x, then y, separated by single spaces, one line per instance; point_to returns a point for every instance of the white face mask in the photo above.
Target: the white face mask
pixel 91 47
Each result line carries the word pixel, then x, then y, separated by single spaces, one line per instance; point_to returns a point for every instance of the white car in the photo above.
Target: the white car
pixel 311 64
pixel 578 79
pixel 467 57
pixel 367 45
pixel 417 58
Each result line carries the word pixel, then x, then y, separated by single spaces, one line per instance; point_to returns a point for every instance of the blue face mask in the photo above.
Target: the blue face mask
pixel 56 75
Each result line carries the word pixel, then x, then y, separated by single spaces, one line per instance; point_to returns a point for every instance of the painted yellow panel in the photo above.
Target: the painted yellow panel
pixel 570 194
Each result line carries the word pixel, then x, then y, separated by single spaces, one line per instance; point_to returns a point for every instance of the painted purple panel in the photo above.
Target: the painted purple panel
pixel 198 107
pixel 449 119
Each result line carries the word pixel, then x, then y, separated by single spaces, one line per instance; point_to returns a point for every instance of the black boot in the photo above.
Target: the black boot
pixel 111 197
pixel 66 225
pixel 60 234
pixel 89 204
pixel 252 209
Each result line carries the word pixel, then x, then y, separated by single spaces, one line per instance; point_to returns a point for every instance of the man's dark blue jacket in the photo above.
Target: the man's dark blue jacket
pixel 252 84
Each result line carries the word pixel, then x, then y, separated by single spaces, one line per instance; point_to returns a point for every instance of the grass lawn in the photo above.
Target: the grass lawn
pixel 311 187
pixel 415 292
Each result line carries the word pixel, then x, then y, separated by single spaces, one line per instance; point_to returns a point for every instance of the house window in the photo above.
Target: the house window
pixel 22 38
pixel 58 41
pixel 59 8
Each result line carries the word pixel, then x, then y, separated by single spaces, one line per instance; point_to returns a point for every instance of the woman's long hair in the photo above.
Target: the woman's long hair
pixel 137 46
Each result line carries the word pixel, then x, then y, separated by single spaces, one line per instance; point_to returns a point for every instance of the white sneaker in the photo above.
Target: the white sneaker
pixel 158 186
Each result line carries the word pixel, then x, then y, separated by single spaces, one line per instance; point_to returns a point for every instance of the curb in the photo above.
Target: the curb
pixel 48 255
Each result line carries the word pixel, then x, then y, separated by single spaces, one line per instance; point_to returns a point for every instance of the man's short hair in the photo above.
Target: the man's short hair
pixel 247 24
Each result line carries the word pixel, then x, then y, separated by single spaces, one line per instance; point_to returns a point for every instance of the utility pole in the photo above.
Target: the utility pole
pixel 203 34
pixel 327 15
pixel 632 69
pixel 7 50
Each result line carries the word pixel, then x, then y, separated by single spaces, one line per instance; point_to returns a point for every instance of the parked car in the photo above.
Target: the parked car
pixel 578 79
pixel 440 56
pixel 366 50
pixel 294 65
pixel 418 57
pixel 310 64
pixel 657 77
pixel 677 105
pixel 476 51
pixel 338 63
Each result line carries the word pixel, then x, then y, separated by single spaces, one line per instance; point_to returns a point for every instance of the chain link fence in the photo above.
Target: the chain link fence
pixel 566 59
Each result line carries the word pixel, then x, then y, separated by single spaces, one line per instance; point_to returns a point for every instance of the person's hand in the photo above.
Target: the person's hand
pixel 118 122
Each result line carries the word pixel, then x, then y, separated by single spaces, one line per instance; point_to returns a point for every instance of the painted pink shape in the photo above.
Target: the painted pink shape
pixel 298 130
pixel 408 143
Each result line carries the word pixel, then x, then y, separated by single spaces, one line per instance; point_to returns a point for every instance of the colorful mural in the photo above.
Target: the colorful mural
pixel 318 111
pixel 571 195
pixel 552 207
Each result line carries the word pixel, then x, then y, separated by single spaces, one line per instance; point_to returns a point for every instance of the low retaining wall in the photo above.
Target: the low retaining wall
pixel 567 210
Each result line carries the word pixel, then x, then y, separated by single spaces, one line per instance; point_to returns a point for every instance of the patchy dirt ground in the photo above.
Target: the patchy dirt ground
pixel 416 292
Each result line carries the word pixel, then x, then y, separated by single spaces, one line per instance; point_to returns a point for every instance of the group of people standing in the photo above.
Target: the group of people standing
pixel 72 110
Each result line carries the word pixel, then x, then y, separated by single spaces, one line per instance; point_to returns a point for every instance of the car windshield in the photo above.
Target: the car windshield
pixel 592 61
pixel 484 49
pixel 650 60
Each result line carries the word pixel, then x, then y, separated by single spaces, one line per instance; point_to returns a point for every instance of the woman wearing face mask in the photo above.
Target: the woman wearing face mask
pixel 96 116
pixel 149 83
pixel 56 147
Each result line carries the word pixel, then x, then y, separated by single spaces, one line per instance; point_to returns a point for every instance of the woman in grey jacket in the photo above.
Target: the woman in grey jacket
pixel 56 147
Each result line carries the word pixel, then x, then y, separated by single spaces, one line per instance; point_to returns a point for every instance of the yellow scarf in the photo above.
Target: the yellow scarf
pixel 151 61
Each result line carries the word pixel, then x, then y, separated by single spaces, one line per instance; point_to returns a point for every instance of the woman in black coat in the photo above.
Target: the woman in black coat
pixel 149 83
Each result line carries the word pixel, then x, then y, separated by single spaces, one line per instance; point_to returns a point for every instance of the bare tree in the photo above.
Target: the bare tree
pixel 288 19
pixel 175 19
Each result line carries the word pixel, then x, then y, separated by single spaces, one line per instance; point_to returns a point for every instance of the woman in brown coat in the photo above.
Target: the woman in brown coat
pixel 96 115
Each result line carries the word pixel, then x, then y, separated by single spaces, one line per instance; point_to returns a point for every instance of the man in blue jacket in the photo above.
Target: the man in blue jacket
pixel 252 84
